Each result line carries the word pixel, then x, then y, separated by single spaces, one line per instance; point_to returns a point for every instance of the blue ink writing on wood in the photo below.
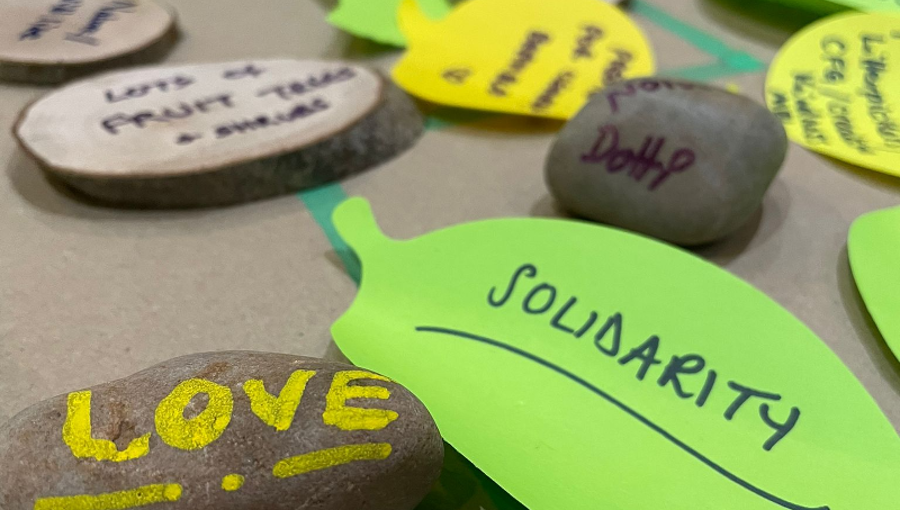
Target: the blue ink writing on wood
pixel 103 15
pixel 115 123
pixel 171 84
pixel 299 111
pixel 250 70
pixel 51 20
pixel 288 91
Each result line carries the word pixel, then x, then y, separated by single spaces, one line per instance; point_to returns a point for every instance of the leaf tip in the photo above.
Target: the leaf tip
pixel 355 222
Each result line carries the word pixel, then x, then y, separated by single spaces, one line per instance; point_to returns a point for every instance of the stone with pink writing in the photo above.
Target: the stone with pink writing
pixel 214 134
pixel 233 430
pixel 680 161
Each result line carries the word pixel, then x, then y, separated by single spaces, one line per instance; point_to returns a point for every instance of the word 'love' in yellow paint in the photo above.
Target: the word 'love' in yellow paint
pixel 198 432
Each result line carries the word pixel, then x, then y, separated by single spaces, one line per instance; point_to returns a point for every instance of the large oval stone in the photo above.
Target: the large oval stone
pixel 680 161
pixel 225 430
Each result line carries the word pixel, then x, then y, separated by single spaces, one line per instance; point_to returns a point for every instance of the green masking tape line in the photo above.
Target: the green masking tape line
pixel 701 73
pixel 321 202
pixel 448 116
pixel 694 36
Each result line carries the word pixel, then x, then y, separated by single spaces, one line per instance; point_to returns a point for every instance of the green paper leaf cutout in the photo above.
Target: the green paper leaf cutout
pixel 872 247
pixel 831 6
pixel 583 367
pixel 377 19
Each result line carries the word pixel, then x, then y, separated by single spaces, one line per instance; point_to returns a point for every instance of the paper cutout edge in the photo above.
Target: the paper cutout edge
pixel 866 293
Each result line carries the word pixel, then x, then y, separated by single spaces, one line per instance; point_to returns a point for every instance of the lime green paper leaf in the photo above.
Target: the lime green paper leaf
pixel 582 367
pixel 829 6
pixel 377 19
pixel 872 246
pixel 870 5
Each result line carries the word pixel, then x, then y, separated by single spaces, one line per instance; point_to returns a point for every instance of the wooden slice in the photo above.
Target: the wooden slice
pixel 214 134
pixel 50 41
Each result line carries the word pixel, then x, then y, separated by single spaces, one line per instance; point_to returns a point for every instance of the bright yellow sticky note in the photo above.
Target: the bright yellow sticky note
pixel 836 87
pixel 873 246
pixel 529 57
pixel 377 19
pixel 583 367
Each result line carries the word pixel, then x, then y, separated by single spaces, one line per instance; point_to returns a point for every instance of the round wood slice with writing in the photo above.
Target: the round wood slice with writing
pixel 215 134
pixel 51 41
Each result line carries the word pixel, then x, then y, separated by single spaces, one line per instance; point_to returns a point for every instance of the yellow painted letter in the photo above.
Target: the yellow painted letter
pixel 278 411
pixel 338 414
pixel 179 432
pixel 77 434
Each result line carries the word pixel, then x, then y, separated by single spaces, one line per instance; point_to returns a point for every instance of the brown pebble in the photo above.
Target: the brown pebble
pixel 224 431
pixel 680 161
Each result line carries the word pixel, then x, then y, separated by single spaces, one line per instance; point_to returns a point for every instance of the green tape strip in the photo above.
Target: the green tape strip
pixel 705 42
pixel 701 73
pixel 735 61
pixel 321 202
pixel 449 116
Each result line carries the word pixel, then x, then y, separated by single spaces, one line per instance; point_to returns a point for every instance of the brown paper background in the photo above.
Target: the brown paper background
pixel 89 294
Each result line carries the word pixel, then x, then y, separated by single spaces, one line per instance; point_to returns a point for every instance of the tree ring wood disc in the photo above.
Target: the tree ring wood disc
pixel 50 41
pixel 221 133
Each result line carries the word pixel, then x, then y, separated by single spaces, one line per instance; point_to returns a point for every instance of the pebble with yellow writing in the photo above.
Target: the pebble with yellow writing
pixel 227 430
